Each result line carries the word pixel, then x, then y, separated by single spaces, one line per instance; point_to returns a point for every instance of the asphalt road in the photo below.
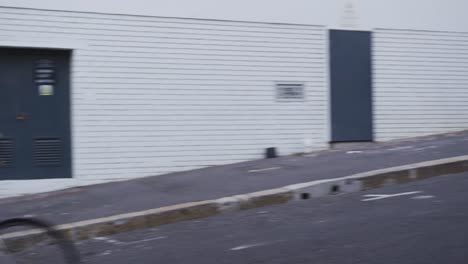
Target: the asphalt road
pixel 423 222
pixel 215 182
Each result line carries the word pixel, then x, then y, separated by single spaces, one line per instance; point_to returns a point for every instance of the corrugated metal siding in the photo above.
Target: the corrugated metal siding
pixel 155 95
pixel 420 82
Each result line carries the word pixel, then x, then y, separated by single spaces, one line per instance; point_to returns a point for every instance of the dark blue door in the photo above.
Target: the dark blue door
pixel 34 114
pixel 351 86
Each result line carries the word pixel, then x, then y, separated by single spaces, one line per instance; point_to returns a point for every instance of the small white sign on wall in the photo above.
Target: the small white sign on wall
pixel 349 17
pixel 46 90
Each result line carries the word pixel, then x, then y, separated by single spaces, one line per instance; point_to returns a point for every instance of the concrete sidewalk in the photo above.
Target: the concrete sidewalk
pixel 124 197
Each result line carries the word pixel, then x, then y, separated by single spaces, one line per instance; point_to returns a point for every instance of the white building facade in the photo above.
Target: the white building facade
pixel 163 87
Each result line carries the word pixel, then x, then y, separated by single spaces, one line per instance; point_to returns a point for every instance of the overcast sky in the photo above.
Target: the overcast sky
pixel 419 14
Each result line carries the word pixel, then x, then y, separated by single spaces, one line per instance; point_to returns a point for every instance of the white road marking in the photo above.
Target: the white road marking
pixel 145 240
pixel 267 169
pixel 245 247
pixel 252 245
pixel 108 240
pixel 400 148
pixel 322 221
pixel 105 253
pixel 29 216
pixel 354 152
pixel 424 148
pixel 422 197
pixel 116 242
pixel 385 196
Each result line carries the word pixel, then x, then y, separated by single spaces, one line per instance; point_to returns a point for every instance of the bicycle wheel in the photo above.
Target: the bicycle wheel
pixel 53 246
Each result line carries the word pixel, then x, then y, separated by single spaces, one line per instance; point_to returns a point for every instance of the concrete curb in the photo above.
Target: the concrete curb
pixel 181 212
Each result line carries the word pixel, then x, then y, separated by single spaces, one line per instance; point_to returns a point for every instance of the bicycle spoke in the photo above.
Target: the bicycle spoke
pixel 5 256
pixel 50 247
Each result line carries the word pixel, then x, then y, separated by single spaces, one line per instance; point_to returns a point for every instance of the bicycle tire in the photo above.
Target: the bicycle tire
pixel 67 248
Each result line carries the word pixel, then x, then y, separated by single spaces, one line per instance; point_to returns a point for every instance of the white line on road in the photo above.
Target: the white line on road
pixel 105 253
pixel 354 152
pixel 385 196
pixel 246 247
pixel 424 148
pixel 267 169
pixel 252 245
pixel 116 242
pixel 145 240
pixel 422 197
pixel 108 240
pixel 400 148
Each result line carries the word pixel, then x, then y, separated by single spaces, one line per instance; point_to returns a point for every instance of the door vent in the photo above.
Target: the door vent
pixel 290 91
pixel 6 153
pixel 48 152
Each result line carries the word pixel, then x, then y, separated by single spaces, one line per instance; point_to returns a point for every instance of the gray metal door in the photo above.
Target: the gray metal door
pixel 351 86
pixel 34 114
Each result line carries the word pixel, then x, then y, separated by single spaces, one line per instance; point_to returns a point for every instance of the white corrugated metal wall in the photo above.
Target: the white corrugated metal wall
pixel 420 82
pixel 155 95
